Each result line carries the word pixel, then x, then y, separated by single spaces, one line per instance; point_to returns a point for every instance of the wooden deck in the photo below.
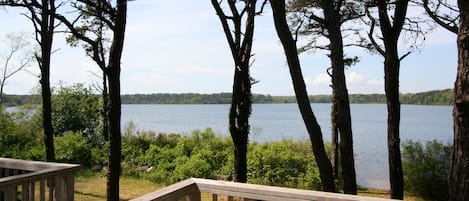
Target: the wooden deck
pixel 191 189
pixel 34 180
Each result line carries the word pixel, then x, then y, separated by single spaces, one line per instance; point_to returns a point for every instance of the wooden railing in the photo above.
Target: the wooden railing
pixel 19 179
pixel 191 189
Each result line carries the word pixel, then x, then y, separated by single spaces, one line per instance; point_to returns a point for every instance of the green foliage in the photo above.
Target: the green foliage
pixel 72 147
pixel 426 169
pixel 285 163
pixel 176 158
pixel 76 109
pixel 19 138
pixel 173 158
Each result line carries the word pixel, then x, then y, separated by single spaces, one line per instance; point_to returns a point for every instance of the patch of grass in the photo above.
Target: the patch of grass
pixel 93 188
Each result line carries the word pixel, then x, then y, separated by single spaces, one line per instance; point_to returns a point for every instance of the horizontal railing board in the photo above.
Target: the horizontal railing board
pixel 17 164
pixel 172 192
pixel 249 191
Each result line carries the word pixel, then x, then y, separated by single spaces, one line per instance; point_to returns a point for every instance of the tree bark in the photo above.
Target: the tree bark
pixel 391 32
pixel 334 140
pixel 314 130
pixel 340 95
pixel 46 33
pixel 391 85
pixel 240 44
pixel 114 112
pixel 459 178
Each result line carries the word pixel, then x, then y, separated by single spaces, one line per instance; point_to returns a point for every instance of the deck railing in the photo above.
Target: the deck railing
pixel 18 179
pixel 191 190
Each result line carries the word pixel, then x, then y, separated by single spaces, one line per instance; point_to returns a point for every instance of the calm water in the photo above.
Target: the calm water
pixel 270 122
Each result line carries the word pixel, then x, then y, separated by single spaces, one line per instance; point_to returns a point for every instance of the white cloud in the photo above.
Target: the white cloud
pixel 322 80
pixel 358 83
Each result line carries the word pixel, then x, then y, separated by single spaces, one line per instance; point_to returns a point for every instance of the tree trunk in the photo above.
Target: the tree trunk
pixel 114 112
pixel 105 106
pixel 391 85
pixel 334 140
pixel 314 130
pixel 459 178
pixel 114 115
pixel 240 43
pixel 391 32
pixel 239 119
pixel 340 96
pixel 47 33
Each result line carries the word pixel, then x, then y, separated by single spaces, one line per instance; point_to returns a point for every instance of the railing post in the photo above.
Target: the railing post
pixel 25 191
pixel 59 188
pixel 10 193
pixel 42 190
pixel 70 186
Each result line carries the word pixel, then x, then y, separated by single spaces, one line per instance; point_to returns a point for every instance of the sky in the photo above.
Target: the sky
pixel 179 47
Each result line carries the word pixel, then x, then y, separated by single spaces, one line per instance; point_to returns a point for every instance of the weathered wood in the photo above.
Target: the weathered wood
pixel 59 177
pixel 172 192
pixel 70 183
pixel 25 191
pixel 32 191
pixel 42 190
pixel 246 191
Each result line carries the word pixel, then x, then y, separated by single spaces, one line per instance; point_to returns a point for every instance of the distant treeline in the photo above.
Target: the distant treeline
pixel 436 97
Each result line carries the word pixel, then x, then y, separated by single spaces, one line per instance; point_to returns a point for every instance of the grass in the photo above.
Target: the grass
pixel 93 188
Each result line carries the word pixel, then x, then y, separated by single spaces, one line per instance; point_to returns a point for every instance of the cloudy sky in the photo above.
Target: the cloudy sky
pixel 179 46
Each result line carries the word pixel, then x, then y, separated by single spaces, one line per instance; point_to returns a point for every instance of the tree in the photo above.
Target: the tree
pixel 240 43
pixel 312 126
pixel 41 14
pixel 443 13
pixel 17 45
pixel 391 26
pixel 458 188
pixel 76 109
pixel 326 18
pixel 390 36
pixel 112 15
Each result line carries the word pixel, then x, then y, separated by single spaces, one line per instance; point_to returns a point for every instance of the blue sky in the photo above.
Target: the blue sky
pixel 179 46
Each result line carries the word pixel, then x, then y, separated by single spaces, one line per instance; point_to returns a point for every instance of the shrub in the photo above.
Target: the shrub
pixel 17 140
pixel 285 163
pixel 73 148
pixel 426 169
pixel 77 109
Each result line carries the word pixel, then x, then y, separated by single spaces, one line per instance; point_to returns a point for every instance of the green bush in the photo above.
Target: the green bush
pixel 285 163
pixel 17 139
pixel 72 147
pixel 426 169
pixel 77 109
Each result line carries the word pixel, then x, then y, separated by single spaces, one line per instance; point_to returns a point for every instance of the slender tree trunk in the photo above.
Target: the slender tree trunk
pixel 240 45
pixel 334 140
pixel 314 130
pixel 114 112
pixel 46 33
pixel 114 115
pixel 239 119
pixel 391 32
pixel 459 178
pixel 391 85
pixel 340 96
